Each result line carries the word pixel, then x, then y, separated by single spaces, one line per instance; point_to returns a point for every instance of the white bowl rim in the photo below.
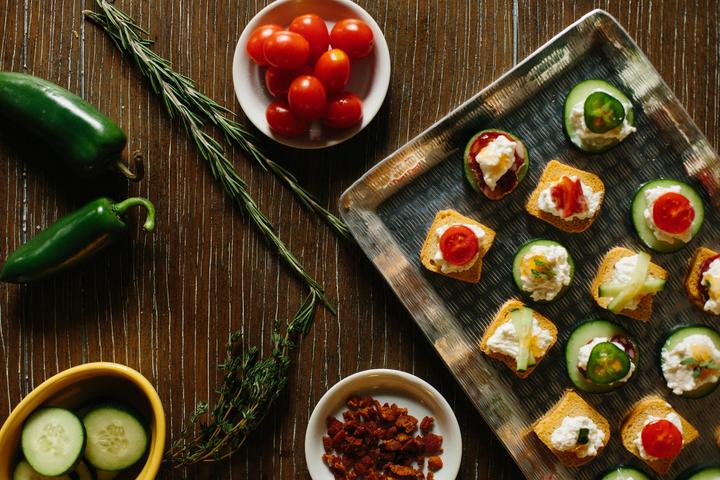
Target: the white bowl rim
pixel 379 89
pixel 451 460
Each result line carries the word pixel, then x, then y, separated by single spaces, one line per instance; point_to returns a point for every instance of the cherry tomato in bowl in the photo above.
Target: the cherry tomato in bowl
pixel 307 98
pixel 313 29
pixel 282 121
pixel 352 36
pixel 344 110
pixel 278 81
pixel 257 41
pixel 333 69
pixel 286 50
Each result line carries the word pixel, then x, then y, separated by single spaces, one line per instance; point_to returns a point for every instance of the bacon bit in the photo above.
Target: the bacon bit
pixel 379 442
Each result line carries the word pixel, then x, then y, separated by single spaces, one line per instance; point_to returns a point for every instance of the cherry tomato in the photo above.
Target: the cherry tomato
pixel 278 81
pixel 458 245
pixel 333 69
pixel 257 42
pixel 352 36
pixel 673 213
pixel 286 50
pixel 313 29
pixel 344 111
pixel 282 121
pixel 662 439
pixel 307 97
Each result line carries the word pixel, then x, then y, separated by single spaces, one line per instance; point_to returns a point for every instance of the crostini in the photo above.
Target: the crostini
pixel 702 283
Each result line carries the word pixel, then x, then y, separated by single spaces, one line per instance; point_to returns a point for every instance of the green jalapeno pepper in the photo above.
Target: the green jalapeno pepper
pixel 87 141
pixel 72 239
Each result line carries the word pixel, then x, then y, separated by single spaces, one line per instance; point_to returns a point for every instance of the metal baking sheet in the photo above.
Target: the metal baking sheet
pixel 391 207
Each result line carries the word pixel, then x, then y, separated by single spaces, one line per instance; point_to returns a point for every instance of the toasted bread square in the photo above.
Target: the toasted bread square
pixel 570 405
pixel 451 217
pixel 692 279
pixel 502 316
pixel 635 421
pixel 606 271
pixel 552 173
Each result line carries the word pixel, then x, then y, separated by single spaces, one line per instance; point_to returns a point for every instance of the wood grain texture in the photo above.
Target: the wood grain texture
pixel 166 303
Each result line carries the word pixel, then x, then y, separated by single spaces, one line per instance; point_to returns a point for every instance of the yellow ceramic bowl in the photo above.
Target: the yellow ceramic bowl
pixel 79 386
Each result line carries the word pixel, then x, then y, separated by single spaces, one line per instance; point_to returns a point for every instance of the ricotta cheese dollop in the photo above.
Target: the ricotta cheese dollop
pixel 586 350
pixel 592 200
pixel 547 287
pixel 679 377
pixel 447 267
pixel 673 417
pixel 623 274
pixel 711 276
pixel 564 438
pixel 496 159
pixel 651 196
pixel 597 140
pixel 505 340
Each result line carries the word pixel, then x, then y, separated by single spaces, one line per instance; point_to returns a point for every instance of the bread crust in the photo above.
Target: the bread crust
pixel 571 404
pixel 693 276
pixel 501 317
pixel 635 420
pixel 552 173
pixel 606 273
pixel 449 217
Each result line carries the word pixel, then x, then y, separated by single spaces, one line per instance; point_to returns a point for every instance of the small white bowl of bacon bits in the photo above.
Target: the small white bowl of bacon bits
pixel 383 422
pixel 311 73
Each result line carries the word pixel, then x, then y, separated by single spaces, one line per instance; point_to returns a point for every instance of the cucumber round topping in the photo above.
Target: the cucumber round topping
pixel 603 112
pixel 522 319
pixel 623 472
pixel 603 369
pixel 116 437
pixel 607 364
pixel 690 360
pixel 52 441
pixel 597 116
pixel 500 168
pixel 24 471
pixel 702 472
pixel 543 270
pixel 667 214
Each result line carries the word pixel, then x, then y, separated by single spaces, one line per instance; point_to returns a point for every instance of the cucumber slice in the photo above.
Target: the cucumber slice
pixel 83 472
pixel 623 472
pixel 680 333
pixel 471 177
pixel 579 93
pixel 632 289
pixel 522 319
pixel 518 260
pixel 702 472
pixel 24 471
pixel 639 204
pixel 116 437
pixel 651 285
pixel 582 335
pixel 53 440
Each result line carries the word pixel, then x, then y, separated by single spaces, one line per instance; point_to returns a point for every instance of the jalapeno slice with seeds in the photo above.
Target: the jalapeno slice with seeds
pixel 603 112
pixel 607 364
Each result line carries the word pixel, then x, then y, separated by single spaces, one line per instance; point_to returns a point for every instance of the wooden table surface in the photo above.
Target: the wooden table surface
pixel 165 303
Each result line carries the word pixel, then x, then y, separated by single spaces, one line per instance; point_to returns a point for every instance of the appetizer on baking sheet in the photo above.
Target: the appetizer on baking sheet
pixel 655 433
pixel 455 246
pixel 690 360
pixel 702 283
pixel 519 337
pixel 627 282
pixel 543 270
pixel 566 197
pixel 495 162
pixel 573 430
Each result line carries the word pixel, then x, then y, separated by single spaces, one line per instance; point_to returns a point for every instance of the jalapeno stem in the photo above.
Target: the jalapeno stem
pixel 125 171
pixel 120 208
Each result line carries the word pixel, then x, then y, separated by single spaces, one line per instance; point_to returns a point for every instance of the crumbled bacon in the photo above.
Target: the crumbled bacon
pixel 377 442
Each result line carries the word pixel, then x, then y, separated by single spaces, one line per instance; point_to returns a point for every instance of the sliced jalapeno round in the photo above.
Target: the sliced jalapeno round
pixel 607 364
pixel 603 112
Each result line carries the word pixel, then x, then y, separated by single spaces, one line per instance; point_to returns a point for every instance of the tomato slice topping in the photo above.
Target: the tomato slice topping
pixel 568 196
pixel 662 439
pixel 458 245
pixel 673 213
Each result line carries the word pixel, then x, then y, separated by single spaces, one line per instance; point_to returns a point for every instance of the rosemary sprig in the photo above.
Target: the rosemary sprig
pixel 129 38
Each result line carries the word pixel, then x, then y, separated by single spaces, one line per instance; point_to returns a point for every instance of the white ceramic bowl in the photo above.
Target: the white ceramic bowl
pixel 369 76
pixel 404 389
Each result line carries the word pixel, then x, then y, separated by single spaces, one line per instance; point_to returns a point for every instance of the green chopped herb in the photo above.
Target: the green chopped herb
pixel 583 436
